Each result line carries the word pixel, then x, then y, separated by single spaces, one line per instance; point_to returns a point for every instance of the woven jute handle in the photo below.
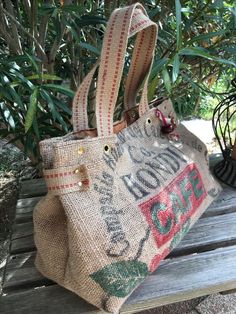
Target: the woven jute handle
pixel 122 24
pixel 134 19
pixel 80 102
pixel 140 64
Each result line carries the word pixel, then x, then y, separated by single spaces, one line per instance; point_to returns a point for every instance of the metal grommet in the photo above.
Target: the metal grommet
pixel 107 148
pixel 80 184
pixel 81 150
pixel 149 121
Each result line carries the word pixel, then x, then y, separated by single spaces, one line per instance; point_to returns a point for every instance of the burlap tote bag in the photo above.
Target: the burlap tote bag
pixel 120 197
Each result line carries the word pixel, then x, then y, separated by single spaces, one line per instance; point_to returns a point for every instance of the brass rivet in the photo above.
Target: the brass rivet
pixel 80 183
pixel 81 151
pixel 149 121
pixel 77 170
pixel 106 148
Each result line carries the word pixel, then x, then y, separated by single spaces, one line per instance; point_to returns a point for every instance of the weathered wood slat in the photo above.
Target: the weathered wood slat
pixel 21 272
pixel 22 230
pixel 24 209
pixel 176 279
pixel 22 238
pixel 25 216
pixel 207 234
pixel 24 244
pixel 23 203
pixel 187 277
pixel 224 204
pixel 51 300
pixel 31 188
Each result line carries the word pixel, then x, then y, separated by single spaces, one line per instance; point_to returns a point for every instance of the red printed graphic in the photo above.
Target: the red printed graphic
pixel 170 209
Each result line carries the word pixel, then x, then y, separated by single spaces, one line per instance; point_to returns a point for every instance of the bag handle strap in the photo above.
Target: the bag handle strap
pixel 80 102
pixel 112 62
pixel 141 59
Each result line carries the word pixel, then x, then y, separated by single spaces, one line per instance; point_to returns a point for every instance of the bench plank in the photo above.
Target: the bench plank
pixel 224 204
pixel 176 279
pixel 22 238
pixel 206 234
pixel 24 209
pixel 24 244
pixel 24 203
pixel 22 273
pixel 31 188
pixel 51 300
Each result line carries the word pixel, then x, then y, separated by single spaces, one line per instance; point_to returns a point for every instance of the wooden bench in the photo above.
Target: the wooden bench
pixel 203 263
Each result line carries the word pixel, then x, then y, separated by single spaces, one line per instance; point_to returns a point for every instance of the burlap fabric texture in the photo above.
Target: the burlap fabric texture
pixel 120 197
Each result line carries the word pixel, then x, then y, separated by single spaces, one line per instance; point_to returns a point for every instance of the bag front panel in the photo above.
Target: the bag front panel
pixel 144 194
pixel 51 238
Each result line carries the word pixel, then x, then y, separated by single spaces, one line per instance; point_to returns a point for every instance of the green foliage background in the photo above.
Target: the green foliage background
pixel 47 48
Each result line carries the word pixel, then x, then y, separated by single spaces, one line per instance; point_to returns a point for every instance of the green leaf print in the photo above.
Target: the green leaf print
pixel 120 278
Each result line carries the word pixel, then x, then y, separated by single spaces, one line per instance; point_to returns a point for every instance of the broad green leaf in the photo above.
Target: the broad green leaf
pixel 46 9
pixel 90 20
pixel 152 13
pixel 166 79
pixel 7 115
pixel 73 8
pixel 15 96
pixel 201 52
pixel 162 40
pixel 178 23
pixel 120 279
pixel 90 48
pixel 33 62
pixel 7 91
pixel 44 77
pixel 59 89
pixel 186 10
pixel 207 36
pixel 72 27
pixel 152 88
pixel 61 105
pixel 45 95
pixel 56 115
pixel 22 78
pixel 176 65
pixel 231 49
pixel 36 128
pixel 157 67
pixel 4 94
pixel 31 113
pixel 55 12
